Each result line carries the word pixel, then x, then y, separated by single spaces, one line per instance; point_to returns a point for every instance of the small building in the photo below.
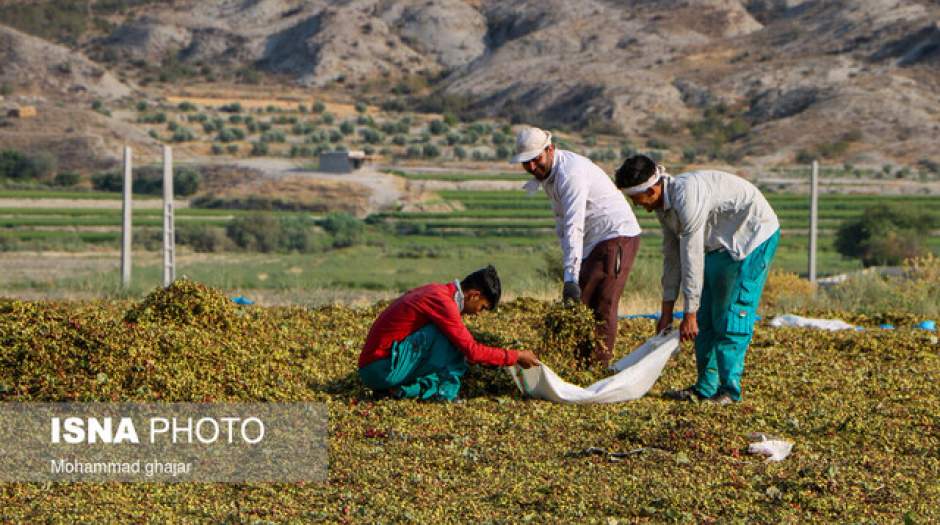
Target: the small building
pixel 342 161
pixel 23 112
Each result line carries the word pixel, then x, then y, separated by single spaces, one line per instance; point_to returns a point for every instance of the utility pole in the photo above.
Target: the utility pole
pixel 126 223
pixel 169 239
pixel 813 219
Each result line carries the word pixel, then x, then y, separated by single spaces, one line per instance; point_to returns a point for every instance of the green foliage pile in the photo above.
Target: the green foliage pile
pixel 572 327
pixel 861 407
pixel 184 302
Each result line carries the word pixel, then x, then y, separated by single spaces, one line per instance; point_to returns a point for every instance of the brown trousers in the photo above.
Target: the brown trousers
pixel 603 276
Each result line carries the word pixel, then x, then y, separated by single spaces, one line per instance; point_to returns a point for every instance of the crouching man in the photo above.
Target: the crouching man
pixel 419 347
pixel 719 237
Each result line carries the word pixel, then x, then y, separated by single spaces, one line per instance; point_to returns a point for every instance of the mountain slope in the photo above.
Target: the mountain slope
pixel 763 79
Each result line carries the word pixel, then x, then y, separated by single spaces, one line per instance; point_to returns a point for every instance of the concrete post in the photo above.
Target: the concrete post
pixel 126 222
pixel 813 220
pixel 169 239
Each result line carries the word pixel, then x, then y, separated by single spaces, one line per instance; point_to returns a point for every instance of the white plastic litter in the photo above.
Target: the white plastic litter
pixel 636 374
pixel 774 449
pixel 807 322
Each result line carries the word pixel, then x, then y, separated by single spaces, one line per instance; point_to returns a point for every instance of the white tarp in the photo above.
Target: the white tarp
pixel 807 322
pixel 636 374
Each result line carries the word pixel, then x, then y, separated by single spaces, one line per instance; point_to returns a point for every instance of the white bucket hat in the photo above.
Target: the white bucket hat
pixel 529 144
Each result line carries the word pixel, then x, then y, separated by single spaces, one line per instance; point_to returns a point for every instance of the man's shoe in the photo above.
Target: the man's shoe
pixel 686 394
pixel 721 399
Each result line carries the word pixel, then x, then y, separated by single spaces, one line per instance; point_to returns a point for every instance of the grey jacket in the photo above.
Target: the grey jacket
pixel 704 211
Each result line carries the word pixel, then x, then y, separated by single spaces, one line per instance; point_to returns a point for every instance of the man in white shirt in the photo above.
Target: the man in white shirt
pixel 719 237
pixel 598 232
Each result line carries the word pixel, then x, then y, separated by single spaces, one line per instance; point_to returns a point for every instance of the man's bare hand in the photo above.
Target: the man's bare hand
pixel 527 359
pixel 665 316
pixel 664 322
pixel 688 329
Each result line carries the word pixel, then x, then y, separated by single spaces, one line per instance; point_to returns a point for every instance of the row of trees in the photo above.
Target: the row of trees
pixel 266 232
pixel 148 180
pixel 34 167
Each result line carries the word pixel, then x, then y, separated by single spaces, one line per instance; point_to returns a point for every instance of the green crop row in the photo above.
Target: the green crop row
pixel 44 235
pixel 138 212
pixel 79 195
pixel 788 219
pixel 460 177
pixel 99 221
pixel 774 199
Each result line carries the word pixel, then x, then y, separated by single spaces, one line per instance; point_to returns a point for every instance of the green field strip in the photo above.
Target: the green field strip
pixel 100 221
pixel 40 235
pixel 788 219
pixel 473 214
pixel 784 198
pixel 78 195
pixel 506 205
pixel 488 224
pixel 195 212
pixel 461 177
pixel 459 242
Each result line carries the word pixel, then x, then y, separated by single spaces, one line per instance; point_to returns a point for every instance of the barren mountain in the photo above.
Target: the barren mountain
pixel 35 65
pixel 781 75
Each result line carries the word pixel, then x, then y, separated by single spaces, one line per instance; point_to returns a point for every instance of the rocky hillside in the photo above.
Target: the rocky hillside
pixel 852 80
pixel 37 66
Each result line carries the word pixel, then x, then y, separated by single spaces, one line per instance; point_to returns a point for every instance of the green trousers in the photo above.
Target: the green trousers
pixel 424 365
pixel 730 296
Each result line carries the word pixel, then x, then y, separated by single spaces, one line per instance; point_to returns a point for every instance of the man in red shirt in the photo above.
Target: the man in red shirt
pixel 419 347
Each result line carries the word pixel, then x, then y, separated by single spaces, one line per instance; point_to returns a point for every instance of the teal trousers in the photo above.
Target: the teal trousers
pixel 424 365
pixel 730 295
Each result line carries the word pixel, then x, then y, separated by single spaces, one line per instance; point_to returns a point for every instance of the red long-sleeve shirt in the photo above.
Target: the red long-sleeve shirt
pixel 431 303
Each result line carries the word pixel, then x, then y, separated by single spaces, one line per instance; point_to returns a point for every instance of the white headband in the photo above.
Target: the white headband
pixel 652 181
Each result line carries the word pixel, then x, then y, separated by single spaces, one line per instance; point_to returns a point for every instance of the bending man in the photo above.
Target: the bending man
pixel 719 238
pixel 598 232
pixel 419 347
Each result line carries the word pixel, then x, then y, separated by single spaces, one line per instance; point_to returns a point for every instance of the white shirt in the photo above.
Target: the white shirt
pixel 588 208
pixel 705 211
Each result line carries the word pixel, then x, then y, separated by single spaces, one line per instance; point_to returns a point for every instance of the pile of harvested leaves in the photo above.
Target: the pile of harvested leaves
pixel 863 409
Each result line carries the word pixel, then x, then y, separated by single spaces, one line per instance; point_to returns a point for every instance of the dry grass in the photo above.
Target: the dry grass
pixel 339 109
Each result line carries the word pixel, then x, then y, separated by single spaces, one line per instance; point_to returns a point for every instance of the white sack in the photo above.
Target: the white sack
pixel 636 374
pixel 806 322
pixel 774 449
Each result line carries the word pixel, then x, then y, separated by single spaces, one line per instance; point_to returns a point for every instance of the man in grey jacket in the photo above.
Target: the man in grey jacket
pixel 719 237
pixel 598 232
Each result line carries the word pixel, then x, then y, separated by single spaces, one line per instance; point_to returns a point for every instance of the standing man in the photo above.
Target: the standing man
pixel 719 237
pixel 419 347
pixel 598 232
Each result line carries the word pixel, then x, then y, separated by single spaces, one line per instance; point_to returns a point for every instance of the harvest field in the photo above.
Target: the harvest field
pixel 861 407
pixel 398 249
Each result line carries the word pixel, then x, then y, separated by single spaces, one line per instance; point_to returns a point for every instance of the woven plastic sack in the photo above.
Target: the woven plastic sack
pixel 636 374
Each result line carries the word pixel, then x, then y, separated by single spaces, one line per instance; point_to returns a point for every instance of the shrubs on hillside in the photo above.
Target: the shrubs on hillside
pixel 885 234
pixel 20 166
pixel 271 233
pixel 345 229
pixel 149 181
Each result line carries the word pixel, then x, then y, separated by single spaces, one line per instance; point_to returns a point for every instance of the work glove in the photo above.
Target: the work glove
pixel 571 292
